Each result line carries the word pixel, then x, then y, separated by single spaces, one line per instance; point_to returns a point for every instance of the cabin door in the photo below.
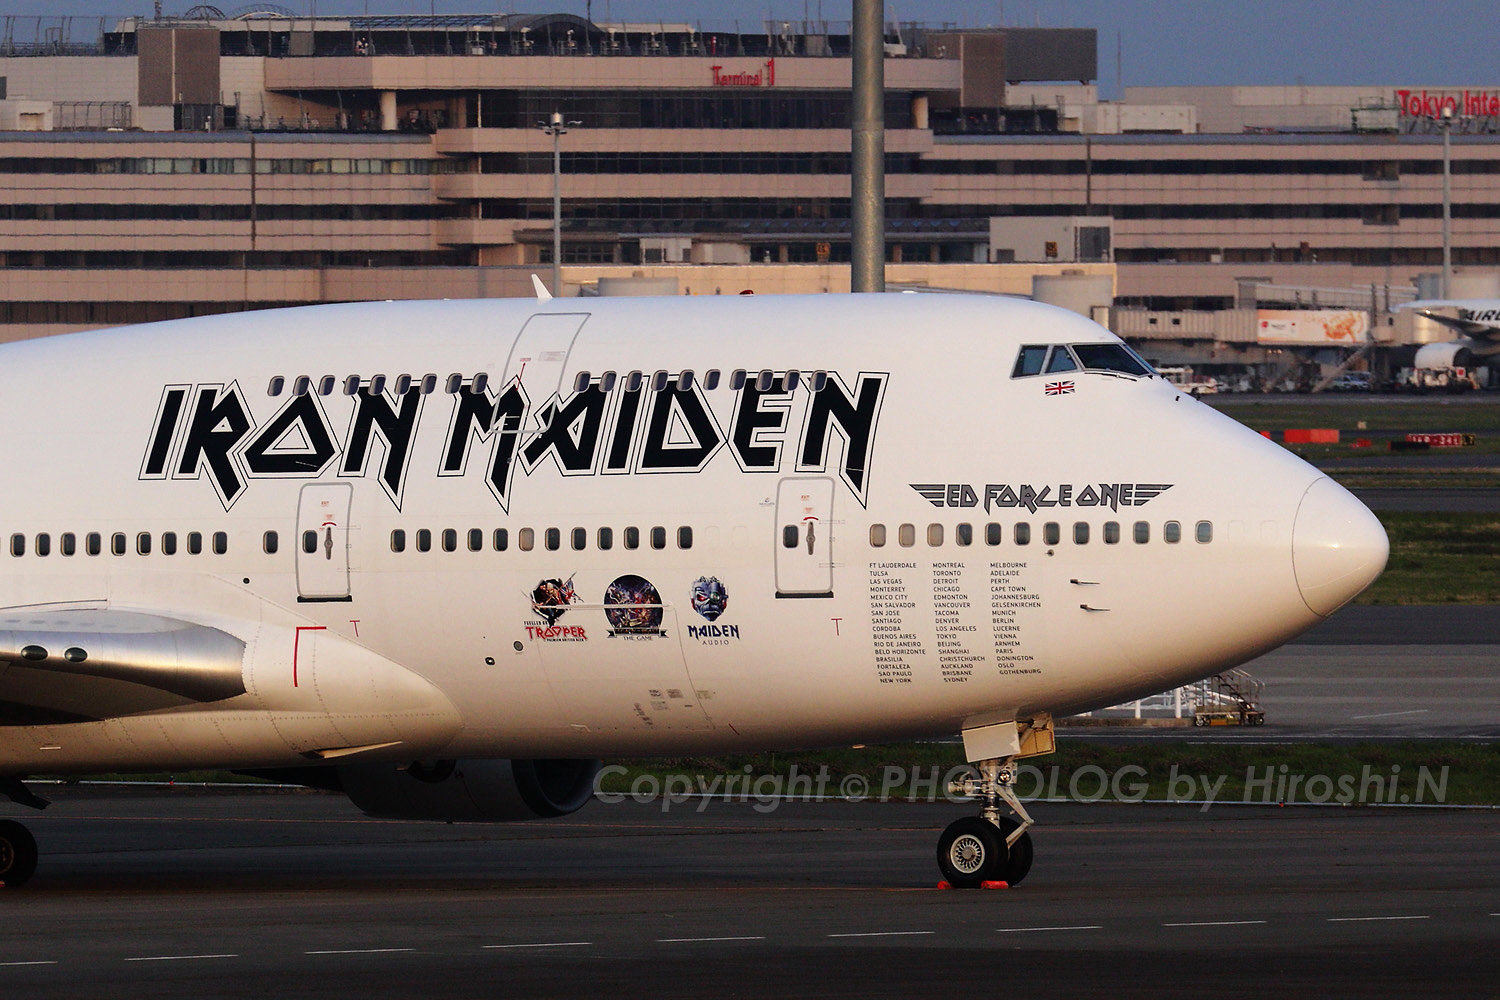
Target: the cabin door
pixel 540 354
pixel 323 542
pixel 804 537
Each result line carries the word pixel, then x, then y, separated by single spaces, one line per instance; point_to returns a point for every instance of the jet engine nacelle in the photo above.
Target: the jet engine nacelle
pixel 473 791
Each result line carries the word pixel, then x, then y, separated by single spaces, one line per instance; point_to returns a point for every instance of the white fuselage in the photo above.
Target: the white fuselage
pixel 905 423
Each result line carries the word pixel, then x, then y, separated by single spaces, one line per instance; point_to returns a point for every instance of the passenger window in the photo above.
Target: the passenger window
pixel 93 543
pixel 351 385
pixel 310 541
pixel 455 381
pixel 18 545
pixel 992 534
pixel 325 387
pixel 301 386
pixel 1080 533
pixel 450 539
pixel 934 534
pixel 143 543
pixel 964 534
pixel 377 385
pixel 169 543
pixel 1142 532
pixel 398 540
pixel 68 543
pixel 632 538
pixel 789 536
pixel 476 539
pixel 711 379
pixel 737 379
pixel 793 379
pixel 877 536
pixel 526 539
pixel 478 385
pixel 501 540
pixel 119 544
pixel 607 382
pixel 685 537
pixel 1022 533
pixel 221 543
pixel 906 535
pixel 1051 533
pixel 1171 532
pixel 1111 532
pixel 429 384
pixel 765 380
pixel 659 382
pixel 1205 531
pixel 270 543
pixel 633 382
pixel 685 380
pixel 552 537
pixel 195 543
pixel 1029 361
pixel 424 540
pixel 580 539
pixel 1061 361
pixel 581 383
pixel 819 381
pixel 606 538
pixel 403 384
pixel 277 386
pixel 44 544
pixel 658 538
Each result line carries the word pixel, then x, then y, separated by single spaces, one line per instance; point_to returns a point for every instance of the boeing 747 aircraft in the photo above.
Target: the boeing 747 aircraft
pixel 447 556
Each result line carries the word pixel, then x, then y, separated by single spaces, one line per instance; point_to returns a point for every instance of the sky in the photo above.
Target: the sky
pixel 1158 42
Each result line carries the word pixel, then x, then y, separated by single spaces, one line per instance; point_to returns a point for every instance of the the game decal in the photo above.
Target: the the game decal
pixel 634 609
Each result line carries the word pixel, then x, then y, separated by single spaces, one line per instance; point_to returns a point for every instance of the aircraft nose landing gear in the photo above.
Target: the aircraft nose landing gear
pixel 988 847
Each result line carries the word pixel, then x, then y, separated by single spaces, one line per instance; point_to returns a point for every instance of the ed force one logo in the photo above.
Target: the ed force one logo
pixel 208 429
pixel 1111 495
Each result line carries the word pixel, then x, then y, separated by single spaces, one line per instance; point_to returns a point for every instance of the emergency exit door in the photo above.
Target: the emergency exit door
pixel 804 537
pixel 323 542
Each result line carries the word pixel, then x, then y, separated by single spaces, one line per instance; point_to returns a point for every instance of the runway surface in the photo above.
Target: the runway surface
pixel 266 895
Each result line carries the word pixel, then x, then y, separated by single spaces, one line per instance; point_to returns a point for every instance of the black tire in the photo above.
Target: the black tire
pixel 970 851
pixel 1018 858
pixel 17 853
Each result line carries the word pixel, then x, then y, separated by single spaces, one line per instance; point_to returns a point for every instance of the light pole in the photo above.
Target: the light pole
pixel 1447 119
pixel 556 128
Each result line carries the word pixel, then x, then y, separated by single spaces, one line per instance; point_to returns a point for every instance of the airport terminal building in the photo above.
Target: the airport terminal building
pixel 166 167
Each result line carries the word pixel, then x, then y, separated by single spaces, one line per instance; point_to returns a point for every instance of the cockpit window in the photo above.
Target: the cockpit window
pixel 1029 361
pixel 1111 358
pixel 1061 360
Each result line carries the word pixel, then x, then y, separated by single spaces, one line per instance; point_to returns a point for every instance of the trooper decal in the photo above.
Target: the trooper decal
pixel 669 429
pixel 633 606
pixel 549 601
pixel 551 598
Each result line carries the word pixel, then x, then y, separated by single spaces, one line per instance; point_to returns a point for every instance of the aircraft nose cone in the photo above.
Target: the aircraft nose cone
pixel 1338 547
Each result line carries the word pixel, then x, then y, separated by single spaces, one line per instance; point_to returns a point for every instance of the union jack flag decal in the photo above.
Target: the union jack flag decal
pixel 1058 388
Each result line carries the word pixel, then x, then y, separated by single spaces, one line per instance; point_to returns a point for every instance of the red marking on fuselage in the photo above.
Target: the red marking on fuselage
pixel 297 642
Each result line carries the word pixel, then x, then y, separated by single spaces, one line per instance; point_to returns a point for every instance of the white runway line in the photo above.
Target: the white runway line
pixel 742 937
pixel 1029 930
pixel 11 965
pixel 883 934
pixel 1391 715
pixel 1215 923
pixel 177 958
pixel 1356 920
pixel 542 944
pixel 358 951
